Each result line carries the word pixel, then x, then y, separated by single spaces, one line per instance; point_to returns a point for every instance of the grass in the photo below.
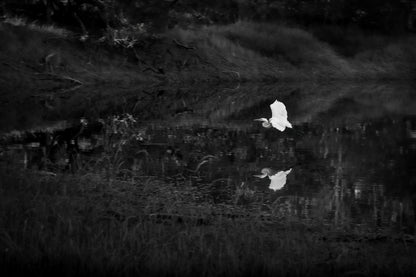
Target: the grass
pixel 260 51
pixel 34 56
pixel 243 51
pixel 79 225
pixel 293 45
pixel 396 59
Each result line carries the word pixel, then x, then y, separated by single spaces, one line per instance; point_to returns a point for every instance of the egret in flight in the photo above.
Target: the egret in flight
pixel 278 119
pixel 277 180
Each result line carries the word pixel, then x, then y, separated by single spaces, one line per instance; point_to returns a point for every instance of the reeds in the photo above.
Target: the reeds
pixel 77 225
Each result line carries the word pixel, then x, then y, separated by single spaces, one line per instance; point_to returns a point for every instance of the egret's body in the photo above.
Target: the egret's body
pixel 278 119
pixel 277 180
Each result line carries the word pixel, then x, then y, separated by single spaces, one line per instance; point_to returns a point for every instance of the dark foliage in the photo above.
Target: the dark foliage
pixel 95 15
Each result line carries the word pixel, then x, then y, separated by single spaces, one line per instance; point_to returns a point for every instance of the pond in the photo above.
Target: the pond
pixel 349 158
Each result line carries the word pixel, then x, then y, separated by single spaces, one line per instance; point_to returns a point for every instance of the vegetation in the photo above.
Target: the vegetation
pixel 79 225
pixel 34 54
pixel 192 41
pixel 91 15
pixel 242 51
pixel 267 51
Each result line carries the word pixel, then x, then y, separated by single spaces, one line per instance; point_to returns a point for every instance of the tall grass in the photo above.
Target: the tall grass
pixel 77 225
pixel 231 59
pixel 243 51
pixel 396 59
pixel 285 43
pixel 269 51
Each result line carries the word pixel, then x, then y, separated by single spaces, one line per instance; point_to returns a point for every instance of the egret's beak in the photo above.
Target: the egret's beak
pixel 261 176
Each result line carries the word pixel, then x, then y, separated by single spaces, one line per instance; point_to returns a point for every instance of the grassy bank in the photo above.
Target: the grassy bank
pixel 53 59
pixel 45 56
pixel 76 225
pixel 257 51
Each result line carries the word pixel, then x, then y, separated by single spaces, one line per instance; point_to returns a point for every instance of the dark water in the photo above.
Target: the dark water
pixel 349 159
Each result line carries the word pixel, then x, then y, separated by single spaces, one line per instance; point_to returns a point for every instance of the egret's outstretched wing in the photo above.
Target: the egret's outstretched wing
pixel 278 109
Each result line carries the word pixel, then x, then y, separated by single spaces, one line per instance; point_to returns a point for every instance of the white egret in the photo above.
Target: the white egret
pixel 278 119
pixel 277 180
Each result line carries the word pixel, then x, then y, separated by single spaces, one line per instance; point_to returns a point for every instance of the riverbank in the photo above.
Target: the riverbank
pixel 50 58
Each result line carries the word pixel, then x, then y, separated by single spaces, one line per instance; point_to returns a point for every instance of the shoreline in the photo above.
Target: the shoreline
pixel 39 59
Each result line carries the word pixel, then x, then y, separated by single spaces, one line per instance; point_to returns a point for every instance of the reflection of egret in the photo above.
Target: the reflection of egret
pixel 277 180
pixel 358 186
pixel 278 119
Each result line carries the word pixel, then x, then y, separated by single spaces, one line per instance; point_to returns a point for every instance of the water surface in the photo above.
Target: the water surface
pixel 349 159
